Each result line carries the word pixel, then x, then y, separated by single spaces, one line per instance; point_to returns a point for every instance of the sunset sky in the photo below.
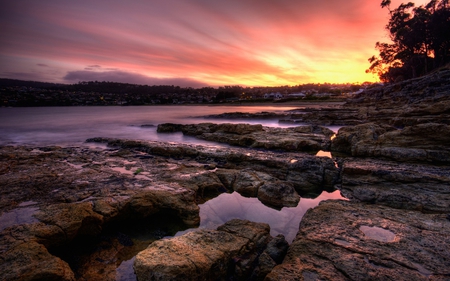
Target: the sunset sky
pixel 191 42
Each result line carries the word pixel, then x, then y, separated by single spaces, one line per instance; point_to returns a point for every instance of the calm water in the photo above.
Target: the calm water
pixel 73 125
pixel 228 206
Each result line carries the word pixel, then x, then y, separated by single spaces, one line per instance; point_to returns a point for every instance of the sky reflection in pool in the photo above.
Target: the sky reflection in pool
pixel 228 206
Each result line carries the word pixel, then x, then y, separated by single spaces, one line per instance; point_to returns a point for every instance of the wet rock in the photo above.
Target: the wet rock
pixel 228 253
pixel 341 240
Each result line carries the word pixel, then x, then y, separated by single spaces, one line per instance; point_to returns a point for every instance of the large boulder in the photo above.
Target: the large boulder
pixel 227 253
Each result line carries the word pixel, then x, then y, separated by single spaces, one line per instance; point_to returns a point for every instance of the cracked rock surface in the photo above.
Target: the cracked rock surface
pixel 340 240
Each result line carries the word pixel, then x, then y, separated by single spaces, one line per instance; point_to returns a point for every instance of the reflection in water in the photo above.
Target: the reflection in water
pixel 19 216
pixel 125 271
pixel 322 153
pixel 227 206
pixel 378 233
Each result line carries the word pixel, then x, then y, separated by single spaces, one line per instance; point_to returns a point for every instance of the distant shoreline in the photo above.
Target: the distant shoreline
pixel 238 104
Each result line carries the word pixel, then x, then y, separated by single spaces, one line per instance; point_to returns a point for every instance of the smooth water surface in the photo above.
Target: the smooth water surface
pixel 73 125
pixel 226 206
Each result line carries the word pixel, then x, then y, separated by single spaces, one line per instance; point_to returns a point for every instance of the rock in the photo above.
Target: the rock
pixel 348 138
pixel 306 173
pixel 422 142
pixel 300 175
pixel 277 248
pixel 202 254
pixel 406 103
pixel 246 115
pixel 340 240
pixel 328 116
pixel 32 261
pixel 306 138
pixel 169 128
pixel 209 185
pixel 248 182
pixel 410 186
pixel 73 219
pixel 202 128
pixel 265 266
pixel 240 129
pixel 278 195
pixel 182 203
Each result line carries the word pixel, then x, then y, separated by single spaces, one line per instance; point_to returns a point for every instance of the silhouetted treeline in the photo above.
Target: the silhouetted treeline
pixel 420 41
pixel 31 93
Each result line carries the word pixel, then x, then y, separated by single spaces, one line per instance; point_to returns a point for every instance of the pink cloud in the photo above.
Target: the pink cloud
pixel 216 41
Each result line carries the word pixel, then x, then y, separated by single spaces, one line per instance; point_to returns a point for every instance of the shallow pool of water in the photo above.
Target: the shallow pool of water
pixel 23 214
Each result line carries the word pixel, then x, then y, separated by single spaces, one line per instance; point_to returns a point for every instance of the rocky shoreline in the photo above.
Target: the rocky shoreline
pixel 391 161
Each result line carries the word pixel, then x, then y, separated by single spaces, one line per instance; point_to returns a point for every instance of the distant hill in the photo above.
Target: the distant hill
pixel 4 82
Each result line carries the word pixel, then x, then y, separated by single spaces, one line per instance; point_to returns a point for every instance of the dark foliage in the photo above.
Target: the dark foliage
pixel 420 41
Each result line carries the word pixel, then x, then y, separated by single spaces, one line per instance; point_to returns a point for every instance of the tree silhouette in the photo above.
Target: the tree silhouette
pixel 420 41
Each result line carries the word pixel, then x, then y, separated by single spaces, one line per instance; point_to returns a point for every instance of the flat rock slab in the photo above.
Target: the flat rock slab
pixel 410 186
pixel 341 240
pixel 425 143
pixel 302 138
